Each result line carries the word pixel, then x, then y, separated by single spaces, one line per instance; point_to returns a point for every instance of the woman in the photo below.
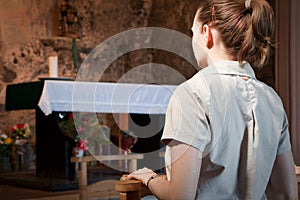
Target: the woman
pixel 226 132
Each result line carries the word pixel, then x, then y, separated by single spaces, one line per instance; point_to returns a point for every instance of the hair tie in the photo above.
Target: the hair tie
pixel 247 4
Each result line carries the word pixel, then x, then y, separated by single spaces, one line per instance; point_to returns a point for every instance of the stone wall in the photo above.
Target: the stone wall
pixel 29 34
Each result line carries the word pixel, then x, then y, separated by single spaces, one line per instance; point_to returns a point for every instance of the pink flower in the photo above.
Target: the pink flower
pixel 82 144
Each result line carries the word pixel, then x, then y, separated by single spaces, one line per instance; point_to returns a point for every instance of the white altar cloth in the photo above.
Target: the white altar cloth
pixel 74 96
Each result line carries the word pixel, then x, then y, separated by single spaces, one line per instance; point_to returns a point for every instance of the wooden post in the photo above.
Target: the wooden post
pixel 132 165
pixel 129 190
pixel 83 181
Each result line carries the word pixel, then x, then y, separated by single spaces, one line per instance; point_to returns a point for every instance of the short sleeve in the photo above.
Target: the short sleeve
pixel 284 141
pixel 186 120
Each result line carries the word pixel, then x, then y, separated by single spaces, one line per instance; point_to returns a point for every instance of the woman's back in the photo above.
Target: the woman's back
pixel 248 128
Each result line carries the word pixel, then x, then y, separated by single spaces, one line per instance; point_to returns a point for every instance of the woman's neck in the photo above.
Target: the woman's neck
pixel 217 54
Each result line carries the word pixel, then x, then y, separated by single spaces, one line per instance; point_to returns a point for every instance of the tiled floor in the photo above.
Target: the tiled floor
pixel 103 191
pixel 8 192
pixel 25 185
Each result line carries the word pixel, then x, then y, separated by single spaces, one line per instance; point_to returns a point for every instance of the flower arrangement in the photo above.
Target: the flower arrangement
pixel 21 132
pixel 86 124
pixel 84 128
pixel 81 144
pixel 16 144
pixel 6 143
pixel 66 124
pixel 80 147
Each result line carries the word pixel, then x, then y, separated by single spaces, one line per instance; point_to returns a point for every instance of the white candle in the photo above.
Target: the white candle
pixel 53 66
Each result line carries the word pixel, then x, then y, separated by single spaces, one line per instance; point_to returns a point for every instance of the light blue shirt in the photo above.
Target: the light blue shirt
pixel 239 124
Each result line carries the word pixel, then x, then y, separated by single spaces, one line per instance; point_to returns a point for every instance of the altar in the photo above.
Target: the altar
pixel 53 149
pixel 74 96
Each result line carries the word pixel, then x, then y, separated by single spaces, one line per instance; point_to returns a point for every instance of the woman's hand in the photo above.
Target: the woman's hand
pixel 142 174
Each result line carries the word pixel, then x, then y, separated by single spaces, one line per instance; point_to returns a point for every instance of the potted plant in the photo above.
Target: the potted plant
pixel 80 147
pixel 21 133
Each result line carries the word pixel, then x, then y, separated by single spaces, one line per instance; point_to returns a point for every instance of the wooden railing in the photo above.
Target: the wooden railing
pixel 82 168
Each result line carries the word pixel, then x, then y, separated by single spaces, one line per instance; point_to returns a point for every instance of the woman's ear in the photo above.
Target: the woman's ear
pixel 208 36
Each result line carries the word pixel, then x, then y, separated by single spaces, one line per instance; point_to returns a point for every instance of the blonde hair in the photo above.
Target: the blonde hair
pixel 246 31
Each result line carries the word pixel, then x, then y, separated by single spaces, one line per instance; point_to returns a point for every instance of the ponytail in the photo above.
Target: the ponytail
pixel 257 45
pixel 246 27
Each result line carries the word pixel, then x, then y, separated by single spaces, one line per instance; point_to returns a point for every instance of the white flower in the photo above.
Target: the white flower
pixel 20 142
pixel 4 136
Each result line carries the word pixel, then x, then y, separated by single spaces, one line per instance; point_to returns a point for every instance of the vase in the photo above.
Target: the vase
pixel 78 152
pixel 19 158
pixel 24 157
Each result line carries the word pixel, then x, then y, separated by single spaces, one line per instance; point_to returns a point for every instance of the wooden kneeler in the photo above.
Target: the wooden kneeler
pixel 131 189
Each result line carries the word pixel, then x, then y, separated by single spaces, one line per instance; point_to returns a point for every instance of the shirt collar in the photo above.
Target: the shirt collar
pixel 232 68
